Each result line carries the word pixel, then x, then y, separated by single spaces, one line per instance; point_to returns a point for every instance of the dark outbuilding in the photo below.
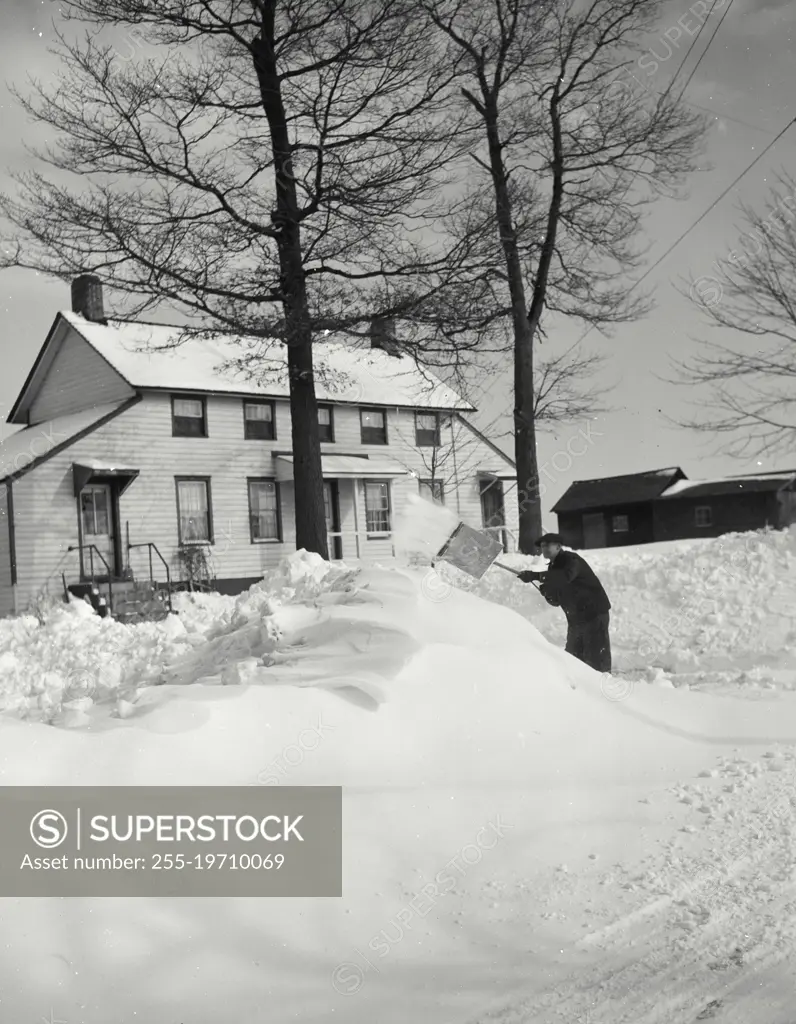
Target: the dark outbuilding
pixel 663 504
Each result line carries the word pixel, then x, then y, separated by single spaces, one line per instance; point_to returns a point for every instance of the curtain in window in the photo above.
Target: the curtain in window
pixel 194 519
pixel 377 507
pixel 259 412
pixel 190 407
pixel 264 510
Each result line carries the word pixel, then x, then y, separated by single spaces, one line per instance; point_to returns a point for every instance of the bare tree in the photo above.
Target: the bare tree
pixel 265 167
pixel 751 382
pixel 571 153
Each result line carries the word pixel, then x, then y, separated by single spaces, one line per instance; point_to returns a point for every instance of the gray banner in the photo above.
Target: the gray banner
pixel 171 841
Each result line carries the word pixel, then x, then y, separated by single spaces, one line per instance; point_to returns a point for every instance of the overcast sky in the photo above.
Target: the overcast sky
pixel 745 80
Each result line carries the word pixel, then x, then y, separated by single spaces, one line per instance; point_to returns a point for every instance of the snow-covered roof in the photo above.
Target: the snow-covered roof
pixel 628 489
pixel 727 485
pixel 25 447
pixel 344 371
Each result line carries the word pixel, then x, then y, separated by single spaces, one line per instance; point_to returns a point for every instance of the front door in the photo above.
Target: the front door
pixel 96 519
pixel 594 532
pixel 332 511
pixel 492 510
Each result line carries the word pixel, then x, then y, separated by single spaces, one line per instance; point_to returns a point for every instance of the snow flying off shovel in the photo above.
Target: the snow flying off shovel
pixel 472 552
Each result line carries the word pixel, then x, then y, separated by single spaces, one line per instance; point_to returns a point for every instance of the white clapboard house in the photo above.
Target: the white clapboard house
pixel 135 461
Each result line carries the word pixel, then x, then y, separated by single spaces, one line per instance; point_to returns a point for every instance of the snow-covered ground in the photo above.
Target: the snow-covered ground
pixel 524 840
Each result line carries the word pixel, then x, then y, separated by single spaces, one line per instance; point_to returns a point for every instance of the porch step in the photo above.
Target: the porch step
pixel 133 600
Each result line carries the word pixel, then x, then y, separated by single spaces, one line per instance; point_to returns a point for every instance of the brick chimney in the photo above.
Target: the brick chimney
pixel 383 334
pixel 87 298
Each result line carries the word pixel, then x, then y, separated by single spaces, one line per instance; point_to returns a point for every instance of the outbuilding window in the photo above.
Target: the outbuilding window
pixel 703 515
pixel 619 524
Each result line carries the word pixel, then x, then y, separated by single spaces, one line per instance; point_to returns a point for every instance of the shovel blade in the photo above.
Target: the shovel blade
pixel 470 550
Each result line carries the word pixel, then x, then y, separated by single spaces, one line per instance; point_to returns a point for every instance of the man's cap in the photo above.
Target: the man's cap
pixel 550 538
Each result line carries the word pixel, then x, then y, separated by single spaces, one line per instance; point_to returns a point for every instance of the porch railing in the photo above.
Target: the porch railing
pixel 153 549
pixel 94 550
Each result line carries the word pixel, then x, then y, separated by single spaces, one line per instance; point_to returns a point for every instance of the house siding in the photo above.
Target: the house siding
pixel 77 379
pixel 141 438
pixel 6 587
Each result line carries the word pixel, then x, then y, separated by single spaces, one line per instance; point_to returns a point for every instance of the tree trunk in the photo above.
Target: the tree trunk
pixel 528 492
pixel 307 471
pixel 528 497
pixel 524 372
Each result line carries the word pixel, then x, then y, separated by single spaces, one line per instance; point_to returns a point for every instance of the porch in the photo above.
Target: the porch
pixel 358 500
pixel 103 553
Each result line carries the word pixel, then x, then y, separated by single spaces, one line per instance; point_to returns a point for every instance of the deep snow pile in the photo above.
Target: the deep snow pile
pixel 724 607
pixel 56 671
pixel 719 611
pixel 505 835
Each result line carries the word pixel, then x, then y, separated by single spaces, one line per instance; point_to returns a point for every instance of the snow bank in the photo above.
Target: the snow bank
pixel 458 737
pixel 697 614
pixel 701 611
pixel 56 671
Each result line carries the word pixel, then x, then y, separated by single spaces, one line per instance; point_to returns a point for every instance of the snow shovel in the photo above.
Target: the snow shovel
pixel 472 552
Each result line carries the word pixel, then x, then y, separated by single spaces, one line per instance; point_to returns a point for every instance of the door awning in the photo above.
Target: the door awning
pixel 506 473
pixel 344 467
pixel 88 471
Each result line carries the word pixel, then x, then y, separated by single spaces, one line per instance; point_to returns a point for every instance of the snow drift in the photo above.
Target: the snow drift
pixel 466 744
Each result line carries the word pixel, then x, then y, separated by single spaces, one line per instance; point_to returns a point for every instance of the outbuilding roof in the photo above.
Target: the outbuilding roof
pixel 628 489
pixel 728 485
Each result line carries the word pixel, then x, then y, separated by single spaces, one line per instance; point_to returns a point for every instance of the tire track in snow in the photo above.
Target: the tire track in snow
pixel 701 940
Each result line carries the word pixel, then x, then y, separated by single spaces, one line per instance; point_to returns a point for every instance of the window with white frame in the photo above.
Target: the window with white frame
pixel 188 417
pixel 259 422
pixel 427 430
pixel 619 524
pixel 194 517
pixel 325 423
pixel 373 425
pixel 377 507
pixel 703 515
pixel 264 512
pixel 432 490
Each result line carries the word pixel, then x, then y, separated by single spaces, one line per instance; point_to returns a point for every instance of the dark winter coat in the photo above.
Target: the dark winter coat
pixel 570 583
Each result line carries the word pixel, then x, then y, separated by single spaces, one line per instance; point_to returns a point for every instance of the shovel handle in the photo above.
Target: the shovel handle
pixel 500 565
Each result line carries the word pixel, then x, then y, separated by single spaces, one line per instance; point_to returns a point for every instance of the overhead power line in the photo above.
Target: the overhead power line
pixel 687 54
pixel 713 205
pixel 715 30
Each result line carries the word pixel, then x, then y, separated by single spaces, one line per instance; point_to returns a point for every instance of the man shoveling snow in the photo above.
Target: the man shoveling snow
pixel 570 583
